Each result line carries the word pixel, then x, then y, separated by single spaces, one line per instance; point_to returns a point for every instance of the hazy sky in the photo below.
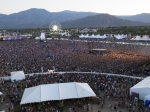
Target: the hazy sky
pixel 114 7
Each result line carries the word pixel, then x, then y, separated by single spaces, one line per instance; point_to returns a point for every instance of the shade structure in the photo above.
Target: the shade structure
pixel 17 75
pixel 142 88
pixel 1 93
pixel 59 91
pixel 145 37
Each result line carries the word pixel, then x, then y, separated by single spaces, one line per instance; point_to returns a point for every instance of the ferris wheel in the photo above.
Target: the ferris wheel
pixel 55 27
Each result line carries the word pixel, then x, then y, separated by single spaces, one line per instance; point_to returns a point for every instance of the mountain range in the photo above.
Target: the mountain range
pixel 144 17
pixel 101 20
pixel 41 18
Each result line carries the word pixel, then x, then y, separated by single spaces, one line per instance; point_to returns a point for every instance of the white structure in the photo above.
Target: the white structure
pixel 142 88
pixel 37 38
pixel 51 71
pixel 58 91
pixel 102 36
pixel 1 93
pixel 85 30
pixel 65 34
pixel 120 36
pixel 17 75
pixel 42 37
pixel 145 37
pixel 93 30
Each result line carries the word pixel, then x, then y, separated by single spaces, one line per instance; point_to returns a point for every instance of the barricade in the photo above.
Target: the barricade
pixel 75 72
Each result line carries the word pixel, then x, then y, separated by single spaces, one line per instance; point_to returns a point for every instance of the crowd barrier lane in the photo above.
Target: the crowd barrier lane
pixel 5 78
pixel 75 72
pixel 31 74
pixel 102 74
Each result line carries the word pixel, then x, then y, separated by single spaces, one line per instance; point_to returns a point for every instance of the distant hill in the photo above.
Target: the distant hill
pixel 144 17
pixel 41 18
pixel 38 18
pixel 100 20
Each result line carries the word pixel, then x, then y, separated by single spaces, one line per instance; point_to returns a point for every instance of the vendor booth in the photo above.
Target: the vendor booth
pixel 17 75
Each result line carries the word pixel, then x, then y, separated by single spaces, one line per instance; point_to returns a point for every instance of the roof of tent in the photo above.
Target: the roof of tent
pixel 57 91
pixel 1 93
pixel 17 75
pixel 145 83
pixel 145 37
pixel 37 38
pixel 143 88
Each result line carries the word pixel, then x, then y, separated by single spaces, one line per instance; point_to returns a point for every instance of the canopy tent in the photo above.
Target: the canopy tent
pixel 92 36
pixel 57 91
pixel 145 37
pixel 37 38
pixel 17 75
pixel 120 36
pixel 1 93
pixel 42 37
pixel 142 88
pixel 103 36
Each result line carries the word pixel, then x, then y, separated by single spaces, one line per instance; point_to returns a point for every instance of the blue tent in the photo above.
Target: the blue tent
pixel 147 100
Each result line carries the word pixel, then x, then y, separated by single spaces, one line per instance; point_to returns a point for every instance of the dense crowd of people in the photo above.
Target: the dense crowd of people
pixel 33 56
pixel 112 87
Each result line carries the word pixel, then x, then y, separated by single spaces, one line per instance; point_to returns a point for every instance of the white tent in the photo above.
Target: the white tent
pixel 1 93
pixel 145 37
pixel 142 88
pixel 37 38
pixel 17 75
pixel 81 36
pixel 120 36
pixel 57 91
pixel 42 37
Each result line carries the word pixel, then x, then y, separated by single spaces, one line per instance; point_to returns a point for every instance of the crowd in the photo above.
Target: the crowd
pixel 33 56
pixel 106 87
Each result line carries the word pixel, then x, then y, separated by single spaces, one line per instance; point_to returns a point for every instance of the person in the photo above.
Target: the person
pixel 69 109
pixel 110 105
pixel 91 108
pixel 102 104
pixel 1 100
pixel 9 108
pixel 42 69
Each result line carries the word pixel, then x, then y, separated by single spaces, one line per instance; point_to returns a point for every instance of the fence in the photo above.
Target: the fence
pixel 74 72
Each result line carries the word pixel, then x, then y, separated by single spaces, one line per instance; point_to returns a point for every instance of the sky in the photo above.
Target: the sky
pixel 113 7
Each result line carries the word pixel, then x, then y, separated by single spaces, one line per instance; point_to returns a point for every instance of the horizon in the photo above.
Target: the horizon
pixel 72 11
pixel 115 7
